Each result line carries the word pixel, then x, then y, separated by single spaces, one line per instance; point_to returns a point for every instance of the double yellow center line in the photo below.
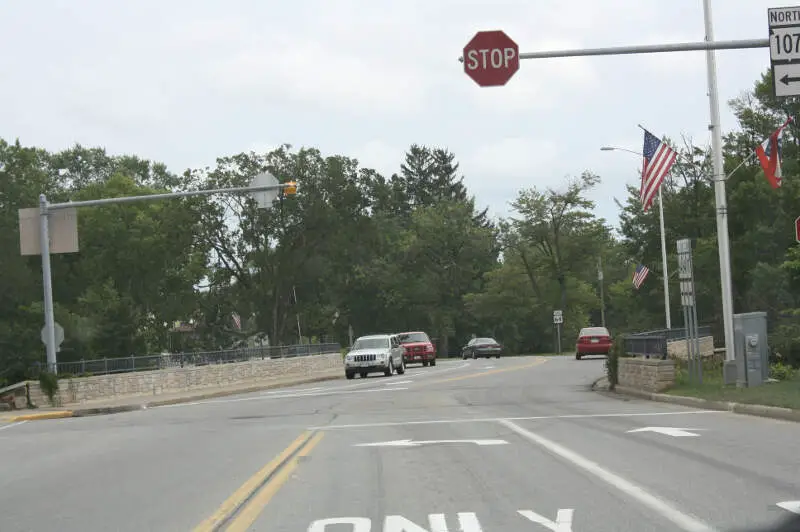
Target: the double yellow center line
pixel 243 507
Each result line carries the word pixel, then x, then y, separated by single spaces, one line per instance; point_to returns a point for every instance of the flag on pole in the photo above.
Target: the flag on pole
pixel 640 275
pixel 658 160
pixel 769 155
pixel 237 321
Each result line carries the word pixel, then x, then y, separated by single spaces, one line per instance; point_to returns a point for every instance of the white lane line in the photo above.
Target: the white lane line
pixel 16 424
pixel 395 383
pixel 660 506
pixel 290 391
pixel 496 419
pixel 287 396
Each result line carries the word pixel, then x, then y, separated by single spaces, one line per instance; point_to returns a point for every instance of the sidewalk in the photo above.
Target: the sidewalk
pixel 141 402
pixel 773 412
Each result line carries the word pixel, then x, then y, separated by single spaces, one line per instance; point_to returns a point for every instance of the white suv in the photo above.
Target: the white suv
pixel 378 352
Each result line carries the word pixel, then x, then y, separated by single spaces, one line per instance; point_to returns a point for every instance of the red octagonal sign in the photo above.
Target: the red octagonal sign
pixel 491 58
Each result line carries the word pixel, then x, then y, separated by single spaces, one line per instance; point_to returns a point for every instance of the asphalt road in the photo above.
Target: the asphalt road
pixel 517 444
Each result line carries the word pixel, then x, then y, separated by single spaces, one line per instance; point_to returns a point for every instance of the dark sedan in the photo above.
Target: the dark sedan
pixel 482 347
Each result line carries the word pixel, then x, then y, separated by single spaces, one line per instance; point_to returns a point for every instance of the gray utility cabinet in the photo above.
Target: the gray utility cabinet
pixel 751 348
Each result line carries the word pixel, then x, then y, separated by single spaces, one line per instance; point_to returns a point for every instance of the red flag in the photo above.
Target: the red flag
pixel 769 155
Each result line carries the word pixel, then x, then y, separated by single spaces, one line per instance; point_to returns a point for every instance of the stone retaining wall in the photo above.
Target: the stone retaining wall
pixel 650 375
pixel 148 383
pixel 677 348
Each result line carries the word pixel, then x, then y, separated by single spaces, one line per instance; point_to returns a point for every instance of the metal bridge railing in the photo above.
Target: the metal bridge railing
pixel 103 366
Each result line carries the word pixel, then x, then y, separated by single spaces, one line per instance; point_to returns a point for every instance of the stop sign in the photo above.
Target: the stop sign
pixel 491 58
pixel 797 229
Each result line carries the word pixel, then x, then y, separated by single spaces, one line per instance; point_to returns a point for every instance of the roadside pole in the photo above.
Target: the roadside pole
pixel 664 263
pixel 46 209
pixel 491 60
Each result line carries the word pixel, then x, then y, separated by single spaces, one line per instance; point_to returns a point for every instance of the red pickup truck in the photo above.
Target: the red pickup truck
pixel 417 347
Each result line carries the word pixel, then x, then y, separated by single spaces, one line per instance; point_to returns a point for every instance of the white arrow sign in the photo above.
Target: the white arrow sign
pixel 411 443
pixel 791 506
pixel 668 431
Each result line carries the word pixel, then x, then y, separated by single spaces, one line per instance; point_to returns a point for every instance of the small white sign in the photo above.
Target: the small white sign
pixel 668 431
pixel 558 316
pixel 784 50
pixel 62 229
pixel 786 79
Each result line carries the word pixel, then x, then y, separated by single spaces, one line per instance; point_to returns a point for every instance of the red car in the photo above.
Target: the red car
pixel 417 347
pixel 593 341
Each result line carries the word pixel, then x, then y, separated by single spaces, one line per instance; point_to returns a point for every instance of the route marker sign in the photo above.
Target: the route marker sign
pixel 412 443
pixel 558 316
pixel 668 431
pixel 797 229
pixel 784 50
pixel 491 58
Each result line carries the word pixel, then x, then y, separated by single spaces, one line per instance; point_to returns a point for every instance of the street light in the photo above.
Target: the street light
pixel 667 312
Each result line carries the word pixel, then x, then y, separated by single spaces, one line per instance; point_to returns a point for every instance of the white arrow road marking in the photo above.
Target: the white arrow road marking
pixel 791 506
pixel 563 522
pixel 411 443
pixel 395 383
pixel 668 431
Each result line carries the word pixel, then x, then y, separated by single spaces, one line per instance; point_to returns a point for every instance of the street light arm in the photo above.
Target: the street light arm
pixel 616 148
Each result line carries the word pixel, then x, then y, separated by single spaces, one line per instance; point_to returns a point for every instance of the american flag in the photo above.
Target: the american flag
pixel 640 275
pixel 658 159
pixel 237 320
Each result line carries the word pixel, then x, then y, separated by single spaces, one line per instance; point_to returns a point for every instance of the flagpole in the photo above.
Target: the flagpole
pixel 665 276
pixel 664 265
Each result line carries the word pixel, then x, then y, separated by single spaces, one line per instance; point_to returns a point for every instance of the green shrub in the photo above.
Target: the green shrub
pixel 612 361
pixel 49 384
pixel 780 371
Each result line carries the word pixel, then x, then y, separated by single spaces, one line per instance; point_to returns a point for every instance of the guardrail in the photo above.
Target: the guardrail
pixel 103 366
pixel 675 334
pixel 646 345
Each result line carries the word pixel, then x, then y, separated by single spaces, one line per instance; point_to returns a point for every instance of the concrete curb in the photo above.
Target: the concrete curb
pixel 772 412
pixel 106 410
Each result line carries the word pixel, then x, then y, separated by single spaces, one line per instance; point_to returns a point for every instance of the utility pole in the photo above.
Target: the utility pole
pixel 602 298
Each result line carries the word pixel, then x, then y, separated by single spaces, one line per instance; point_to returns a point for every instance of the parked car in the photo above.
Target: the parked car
pixel 593 341
pixel 377 352
pixel 482 347
pixel 417 348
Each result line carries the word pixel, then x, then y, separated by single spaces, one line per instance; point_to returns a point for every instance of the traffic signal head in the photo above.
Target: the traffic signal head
pixel 290 189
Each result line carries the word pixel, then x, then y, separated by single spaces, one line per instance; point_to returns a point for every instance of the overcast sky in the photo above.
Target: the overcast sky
pixel 184 81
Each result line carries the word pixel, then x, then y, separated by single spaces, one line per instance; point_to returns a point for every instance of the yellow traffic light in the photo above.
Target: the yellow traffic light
pixel 290 189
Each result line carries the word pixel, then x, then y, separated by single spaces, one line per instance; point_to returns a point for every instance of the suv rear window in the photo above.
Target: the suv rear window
pixel 409 338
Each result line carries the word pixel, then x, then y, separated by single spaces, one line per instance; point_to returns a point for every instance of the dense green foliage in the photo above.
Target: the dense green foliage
pixel 382 253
